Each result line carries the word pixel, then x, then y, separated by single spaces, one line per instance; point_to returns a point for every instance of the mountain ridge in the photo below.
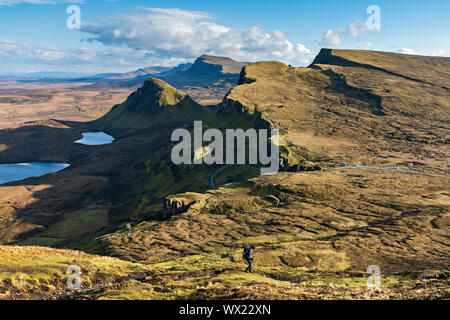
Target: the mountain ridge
pixel 155 103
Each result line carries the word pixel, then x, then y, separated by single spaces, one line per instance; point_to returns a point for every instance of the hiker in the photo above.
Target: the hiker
pixel 248 257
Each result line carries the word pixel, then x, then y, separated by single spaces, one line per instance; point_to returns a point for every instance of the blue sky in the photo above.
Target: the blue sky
pixel 124 35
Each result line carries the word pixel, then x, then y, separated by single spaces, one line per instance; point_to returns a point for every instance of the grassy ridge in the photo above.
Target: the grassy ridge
pixel 40 273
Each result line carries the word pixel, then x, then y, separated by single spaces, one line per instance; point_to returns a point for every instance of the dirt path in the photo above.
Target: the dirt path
pixel 396 169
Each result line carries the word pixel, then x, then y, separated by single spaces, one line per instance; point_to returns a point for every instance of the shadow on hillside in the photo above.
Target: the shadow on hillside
pixel 43 141
pixel 109 180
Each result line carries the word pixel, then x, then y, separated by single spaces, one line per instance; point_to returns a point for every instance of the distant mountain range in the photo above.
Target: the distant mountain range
pixel 142 73
pixel 200 71
pixel 207 80
pixel 44 75
pixel 89 77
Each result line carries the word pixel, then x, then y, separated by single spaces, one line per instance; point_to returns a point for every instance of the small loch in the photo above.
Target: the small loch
pixel 20 171
pixel 95 139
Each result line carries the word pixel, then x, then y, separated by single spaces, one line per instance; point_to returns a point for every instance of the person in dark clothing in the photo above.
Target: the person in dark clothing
pixel 248 257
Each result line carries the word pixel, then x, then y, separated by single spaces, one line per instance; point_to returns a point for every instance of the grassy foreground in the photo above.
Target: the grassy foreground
pixel 40 273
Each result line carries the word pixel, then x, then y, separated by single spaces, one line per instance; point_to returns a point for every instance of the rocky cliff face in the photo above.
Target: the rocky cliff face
pixel 173 207
pixel 207 71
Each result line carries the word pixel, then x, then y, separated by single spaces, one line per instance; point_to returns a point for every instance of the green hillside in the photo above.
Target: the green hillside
pixel 156 103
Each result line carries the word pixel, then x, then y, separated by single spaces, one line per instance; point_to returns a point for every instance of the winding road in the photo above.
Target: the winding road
pixel 396 169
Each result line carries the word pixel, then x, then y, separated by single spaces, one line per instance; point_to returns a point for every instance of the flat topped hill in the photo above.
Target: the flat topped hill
pixel 358 107
pixel 207 70
pixel 209 79
pixel 228 65
pixel 434 70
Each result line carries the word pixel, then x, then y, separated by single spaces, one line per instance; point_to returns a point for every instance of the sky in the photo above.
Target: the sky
pixel 124 35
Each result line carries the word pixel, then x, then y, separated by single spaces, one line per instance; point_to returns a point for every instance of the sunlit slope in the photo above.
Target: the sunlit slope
pixel 208 70
pixel 384 108
pixel 41 273
pixel 435 70
pixel 156 103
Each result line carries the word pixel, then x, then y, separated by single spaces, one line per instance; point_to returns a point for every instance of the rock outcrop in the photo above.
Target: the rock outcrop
pixel 173 207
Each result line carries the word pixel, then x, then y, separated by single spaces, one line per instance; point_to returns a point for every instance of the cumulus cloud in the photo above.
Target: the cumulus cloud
pixel 433 53
pixel 10 3
pixel 407 51
pixel 439 53
pixel 357 28
pixel 85 59
pixel 334 37
pixel 175 33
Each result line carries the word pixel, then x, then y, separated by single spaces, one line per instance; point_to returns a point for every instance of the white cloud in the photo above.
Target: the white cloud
pixel 10 3
pixel 332 38
pixel 354 30
pixel 22 56
pixel 357 28
pixel 406 51
pixel 434 53
pixel 176 33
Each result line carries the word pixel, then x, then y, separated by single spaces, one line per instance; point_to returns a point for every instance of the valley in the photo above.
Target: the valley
pixel 26 102
pixel 85 99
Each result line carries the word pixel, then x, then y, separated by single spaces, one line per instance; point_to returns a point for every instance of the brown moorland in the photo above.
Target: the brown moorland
pixel 316 227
